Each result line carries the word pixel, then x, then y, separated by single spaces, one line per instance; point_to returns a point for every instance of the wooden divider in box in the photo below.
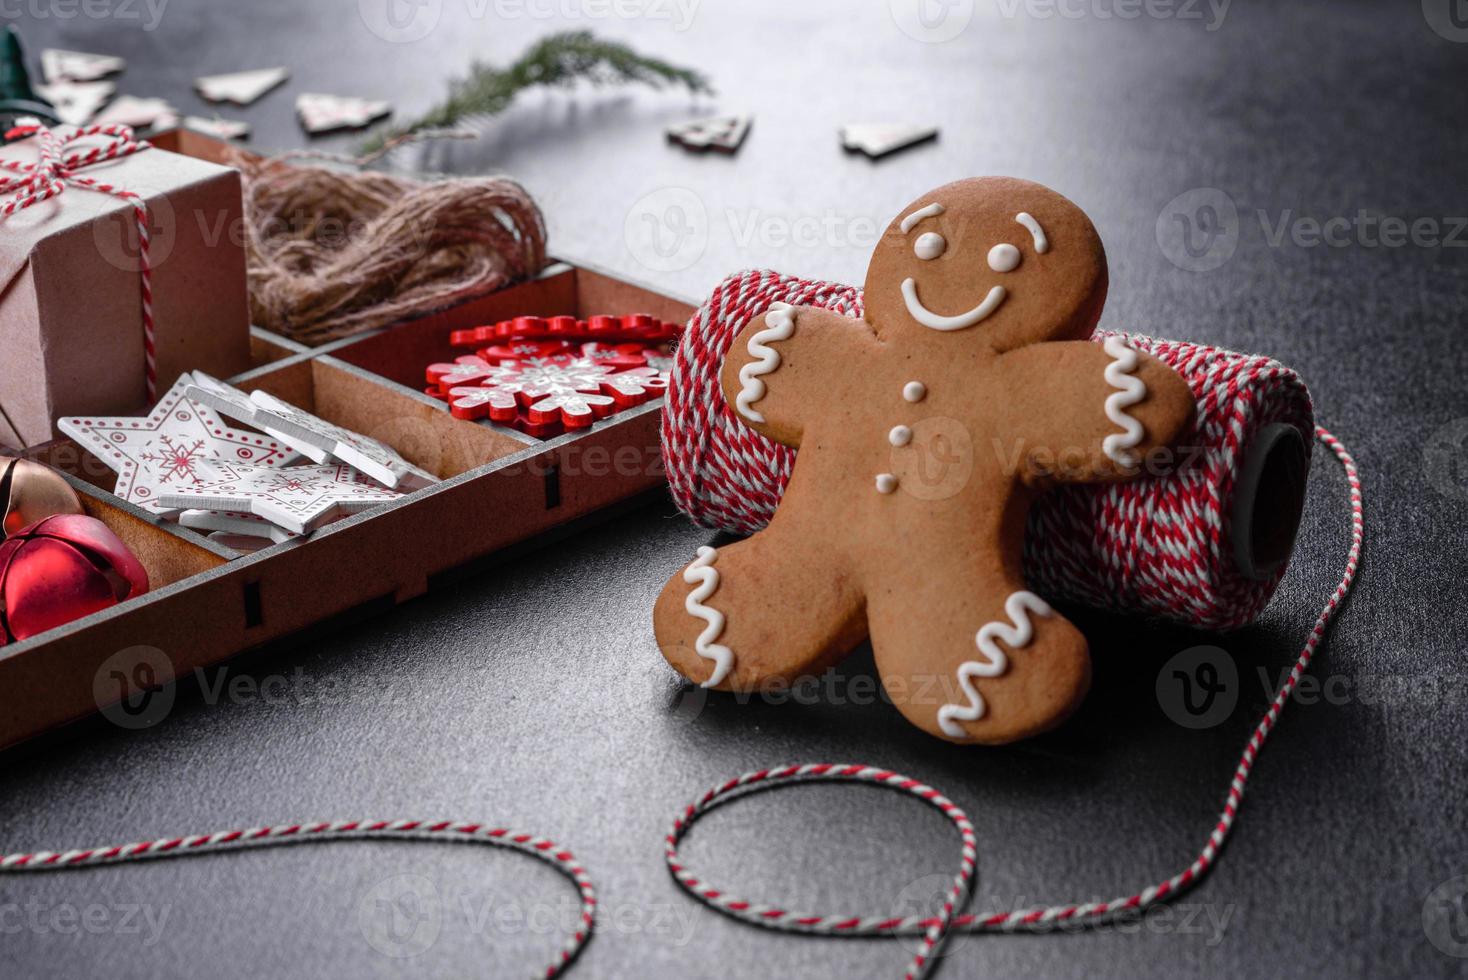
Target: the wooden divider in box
pixel 199 145
pixel 499 488
pixel 169 554
pixel 267 348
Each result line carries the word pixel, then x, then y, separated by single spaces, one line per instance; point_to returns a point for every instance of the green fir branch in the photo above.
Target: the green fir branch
pixel 559 60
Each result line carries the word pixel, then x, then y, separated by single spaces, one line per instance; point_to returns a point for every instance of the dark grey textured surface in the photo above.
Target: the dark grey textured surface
pixel 533 695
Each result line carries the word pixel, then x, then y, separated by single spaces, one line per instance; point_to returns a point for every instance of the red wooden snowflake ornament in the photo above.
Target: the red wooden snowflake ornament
pixel 618 357
pixel 639 327
pixel 527 350
pixel 466 370
pixel 574 393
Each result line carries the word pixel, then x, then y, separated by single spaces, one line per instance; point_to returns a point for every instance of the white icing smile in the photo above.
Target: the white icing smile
pixel 937 321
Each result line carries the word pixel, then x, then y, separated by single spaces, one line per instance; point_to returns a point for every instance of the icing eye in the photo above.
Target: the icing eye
pixel 929 245
pixel 1004 258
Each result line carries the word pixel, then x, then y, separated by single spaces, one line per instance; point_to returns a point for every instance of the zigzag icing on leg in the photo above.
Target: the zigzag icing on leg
pixel 1018 632
pixel 703 573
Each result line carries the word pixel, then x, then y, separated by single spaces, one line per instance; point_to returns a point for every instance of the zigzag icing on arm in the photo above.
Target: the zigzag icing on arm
pixel 703 573
pixel 1017 633
pixel 779 325
pixel 1132 390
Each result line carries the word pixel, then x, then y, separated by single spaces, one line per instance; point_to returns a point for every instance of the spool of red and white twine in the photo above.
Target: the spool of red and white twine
pixel 1160 545
pixel 56 169
pixel 935 928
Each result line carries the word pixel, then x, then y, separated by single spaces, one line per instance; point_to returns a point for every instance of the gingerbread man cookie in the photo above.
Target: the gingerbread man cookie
pixel 925 431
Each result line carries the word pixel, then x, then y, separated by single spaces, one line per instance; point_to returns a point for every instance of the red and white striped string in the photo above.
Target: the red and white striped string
pixel 935 927
pixel 49 177
pixel 415 830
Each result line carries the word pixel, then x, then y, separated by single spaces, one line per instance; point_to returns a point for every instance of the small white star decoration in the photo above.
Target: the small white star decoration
pixel 163 450
pixel 237 525
pixel 297 498
pixel 312 437
pixel 224 399
pixel 183 463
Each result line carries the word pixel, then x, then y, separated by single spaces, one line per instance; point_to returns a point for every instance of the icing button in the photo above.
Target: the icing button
pixel 886 483
pixel 914 391
pixel 900 435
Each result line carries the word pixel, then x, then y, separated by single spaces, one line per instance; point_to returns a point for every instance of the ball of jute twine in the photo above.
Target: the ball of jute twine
pixel 332 253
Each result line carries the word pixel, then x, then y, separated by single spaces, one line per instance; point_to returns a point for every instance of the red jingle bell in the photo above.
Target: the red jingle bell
pixel 60 569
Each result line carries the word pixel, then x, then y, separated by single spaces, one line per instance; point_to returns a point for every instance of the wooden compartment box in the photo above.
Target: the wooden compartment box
pixel 208 603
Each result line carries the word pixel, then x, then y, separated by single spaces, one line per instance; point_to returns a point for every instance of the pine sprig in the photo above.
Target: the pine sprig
pixel 559 60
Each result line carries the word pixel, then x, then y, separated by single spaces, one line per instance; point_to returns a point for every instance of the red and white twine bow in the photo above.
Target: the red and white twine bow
pixel 934 927
pixel 56 168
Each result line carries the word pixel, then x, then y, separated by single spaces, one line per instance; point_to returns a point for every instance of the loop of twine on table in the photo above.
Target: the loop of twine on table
pixel 410 830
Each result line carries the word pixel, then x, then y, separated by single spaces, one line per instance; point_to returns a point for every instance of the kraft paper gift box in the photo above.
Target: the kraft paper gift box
pixel 71 313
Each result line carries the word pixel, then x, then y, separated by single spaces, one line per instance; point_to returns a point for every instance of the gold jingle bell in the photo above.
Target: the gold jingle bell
pixel 30 492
